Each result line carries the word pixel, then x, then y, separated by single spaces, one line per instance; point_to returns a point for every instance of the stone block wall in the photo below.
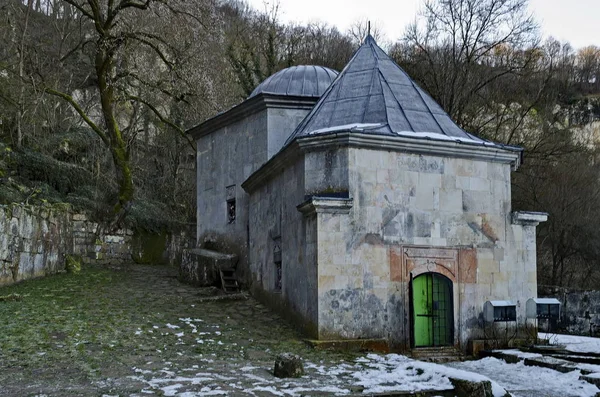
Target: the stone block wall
pixel 35 241
pixel 579 311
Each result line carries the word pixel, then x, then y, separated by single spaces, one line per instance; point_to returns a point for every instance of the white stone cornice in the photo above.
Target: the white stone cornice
pixel 528 218
pixel 331 205
pixel 493 153
pixel 249 107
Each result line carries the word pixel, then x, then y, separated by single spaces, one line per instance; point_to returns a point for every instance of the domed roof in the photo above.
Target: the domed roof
pixel 303 80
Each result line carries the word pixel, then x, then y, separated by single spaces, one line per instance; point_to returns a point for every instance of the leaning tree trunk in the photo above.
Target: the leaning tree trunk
pixel 117 145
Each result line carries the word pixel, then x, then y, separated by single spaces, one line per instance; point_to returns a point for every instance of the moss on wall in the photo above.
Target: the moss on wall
pixel 148 247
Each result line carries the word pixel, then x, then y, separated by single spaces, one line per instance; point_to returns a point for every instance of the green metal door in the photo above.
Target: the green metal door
pixel 433 320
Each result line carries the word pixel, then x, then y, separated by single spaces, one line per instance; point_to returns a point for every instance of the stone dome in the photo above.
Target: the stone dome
pixel 303 80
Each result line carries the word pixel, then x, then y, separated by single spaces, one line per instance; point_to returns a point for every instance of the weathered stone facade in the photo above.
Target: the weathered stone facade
pixel 228 153
pixel 379 218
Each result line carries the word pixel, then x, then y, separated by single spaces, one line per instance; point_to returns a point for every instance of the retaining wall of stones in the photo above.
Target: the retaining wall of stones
pixel 35 242
pixel 580 310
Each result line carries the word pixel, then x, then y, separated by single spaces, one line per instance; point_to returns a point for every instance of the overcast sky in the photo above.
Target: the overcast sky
pixel 576 21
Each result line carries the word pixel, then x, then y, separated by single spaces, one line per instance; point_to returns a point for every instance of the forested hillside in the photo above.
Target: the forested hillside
pixel 95 97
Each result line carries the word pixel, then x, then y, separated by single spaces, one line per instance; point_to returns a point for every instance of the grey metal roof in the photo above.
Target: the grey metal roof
pixel 303 80
pixel 374 95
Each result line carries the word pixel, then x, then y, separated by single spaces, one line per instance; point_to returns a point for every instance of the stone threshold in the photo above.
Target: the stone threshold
pixel 350 345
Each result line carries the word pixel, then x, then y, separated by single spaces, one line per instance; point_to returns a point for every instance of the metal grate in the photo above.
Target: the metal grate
pixel 433 310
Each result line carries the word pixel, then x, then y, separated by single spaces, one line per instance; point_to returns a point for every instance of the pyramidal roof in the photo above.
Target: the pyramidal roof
pixel 374 95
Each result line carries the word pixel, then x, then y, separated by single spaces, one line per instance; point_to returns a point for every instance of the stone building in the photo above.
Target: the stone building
pixel 361 210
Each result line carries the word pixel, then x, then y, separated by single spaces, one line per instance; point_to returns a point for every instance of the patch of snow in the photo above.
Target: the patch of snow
pixel 441 137
pixel 205 391
pixel 520 378
pixel 347 127
pixel 172 389
pixel 579 344
pixel 269 389
pixel 589 367
pixel 256 377
pixel 547 301
pixel 519 353
pixel 179 335
pixel 171 326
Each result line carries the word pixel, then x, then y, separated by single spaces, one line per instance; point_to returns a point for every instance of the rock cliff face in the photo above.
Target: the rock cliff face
pixel 584 111
pixel 583 115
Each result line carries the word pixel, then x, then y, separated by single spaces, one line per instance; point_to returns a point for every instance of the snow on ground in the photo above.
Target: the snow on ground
pixel 393 372
pixel 574 343
pixel 525 381
pixel 520 354
pixel 369 374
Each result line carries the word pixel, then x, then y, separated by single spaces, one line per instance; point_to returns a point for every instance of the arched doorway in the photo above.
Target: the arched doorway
pixel 433 312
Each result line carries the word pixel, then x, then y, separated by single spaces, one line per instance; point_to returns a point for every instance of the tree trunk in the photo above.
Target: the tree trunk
pixel 117 145
pixel 21 62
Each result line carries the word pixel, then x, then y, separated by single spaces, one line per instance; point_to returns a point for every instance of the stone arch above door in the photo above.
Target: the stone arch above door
pixel 458 264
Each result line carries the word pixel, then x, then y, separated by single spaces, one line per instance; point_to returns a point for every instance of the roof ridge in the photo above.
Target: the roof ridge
pixel 397 105
pixel 397 101
pixel 414 85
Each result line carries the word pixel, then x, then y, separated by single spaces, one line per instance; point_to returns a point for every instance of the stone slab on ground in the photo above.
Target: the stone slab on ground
pixel 593 379
pixel 200 267
pixel 556 364
pixel 465 388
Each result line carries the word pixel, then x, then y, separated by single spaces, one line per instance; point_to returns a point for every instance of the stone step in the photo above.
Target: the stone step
pixel 594 379
pixel 229 280
pixel 556 364
pixel 436 354
pixel 577 358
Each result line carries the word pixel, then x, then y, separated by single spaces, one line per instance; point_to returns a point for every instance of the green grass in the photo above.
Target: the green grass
pixel 71 334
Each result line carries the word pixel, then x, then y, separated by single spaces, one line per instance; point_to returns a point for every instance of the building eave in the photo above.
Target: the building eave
pixel 286 156
pixel 248 107
pixel 492 153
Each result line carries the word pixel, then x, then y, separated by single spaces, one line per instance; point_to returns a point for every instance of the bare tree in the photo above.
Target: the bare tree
pixel 145 53
pixel 463 46
pixel 361 27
